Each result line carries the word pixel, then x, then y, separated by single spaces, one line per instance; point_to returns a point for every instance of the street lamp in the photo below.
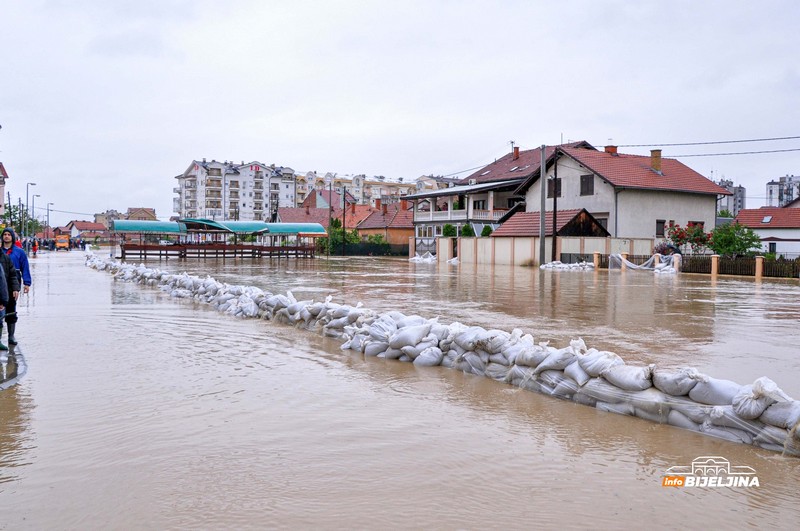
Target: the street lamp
pixel 33 208
pixel 26 214
pixel 49 230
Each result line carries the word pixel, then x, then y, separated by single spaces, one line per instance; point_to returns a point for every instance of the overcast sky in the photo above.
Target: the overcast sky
pixel 103 102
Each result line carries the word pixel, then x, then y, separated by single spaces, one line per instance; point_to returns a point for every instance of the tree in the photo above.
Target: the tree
pixel 692 235
pixel 734 240
pixel 449 231
pixel 486 232
pixel 467 231
pixel 333 243
pixel 725 214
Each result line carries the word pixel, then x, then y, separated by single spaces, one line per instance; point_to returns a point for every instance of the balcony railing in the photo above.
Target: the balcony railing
pixel 442 215
pixel 494 215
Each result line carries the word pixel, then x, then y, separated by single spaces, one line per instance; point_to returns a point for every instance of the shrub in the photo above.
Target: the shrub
pixel 486 232
pixel 467 231
pixel 449 231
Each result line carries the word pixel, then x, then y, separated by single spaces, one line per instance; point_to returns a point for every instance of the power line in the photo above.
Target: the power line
pixel 734 153
pixel 715 142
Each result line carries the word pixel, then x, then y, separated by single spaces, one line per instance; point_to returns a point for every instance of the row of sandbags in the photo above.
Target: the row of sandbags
pixel 759 414
pixel 578 266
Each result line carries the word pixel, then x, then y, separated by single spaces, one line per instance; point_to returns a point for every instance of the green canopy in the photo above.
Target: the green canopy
pixel 146 226
pixel 236 227
pixel 305 229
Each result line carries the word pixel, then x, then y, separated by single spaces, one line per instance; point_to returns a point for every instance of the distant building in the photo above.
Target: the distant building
pixel 141 214
pixel 785 190
pixel 105 218
pixel 732 203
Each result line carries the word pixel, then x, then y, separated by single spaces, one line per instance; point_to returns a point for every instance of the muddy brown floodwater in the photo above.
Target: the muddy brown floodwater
pixel 139 411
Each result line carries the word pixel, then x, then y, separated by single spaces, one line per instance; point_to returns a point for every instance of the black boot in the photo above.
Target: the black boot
pixel 11 328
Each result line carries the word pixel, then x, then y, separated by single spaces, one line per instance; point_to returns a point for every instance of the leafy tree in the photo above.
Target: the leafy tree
pixel 449 231
pixel 333 243
pixel 377 239
pixel 734 240
pixel 725 213
pixel 486 232
pixel 692 235
pixel 467 231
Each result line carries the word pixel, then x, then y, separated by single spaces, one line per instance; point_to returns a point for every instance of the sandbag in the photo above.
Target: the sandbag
pixel 650 400
pixel 556 360
pixel 602 391
pixel 596 361
pixel 676 382
pixel 782 414
pixel 629 377
pixel 551 378
pixel 698 413
pixel 749 403
pixel 725 416
pixel 678 419
pixel 496 371
pixel 411 335
pixel 373 348
pixel 576 372
pixel 530 356
pixel 659 417
pixel 621 409
pixel 714 392
pixel 430 357
pixel 729 434
pixel 566 388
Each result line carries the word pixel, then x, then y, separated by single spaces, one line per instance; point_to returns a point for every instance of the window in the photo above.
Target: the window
pixel 550 184
pixel 603 222
pixel 773 247
pixel 660 228
pixel 479 204
pixel 587 184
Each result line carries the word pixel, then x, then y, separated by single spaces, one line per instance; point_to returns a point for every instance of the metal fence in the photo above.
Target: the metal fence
pixel 782 268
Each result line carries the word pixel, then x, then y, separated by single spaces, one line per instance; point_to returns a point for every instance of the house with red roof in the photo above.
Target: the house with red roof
pixel 87 230
pixel 485 197
pixel 632 196
pixel 395 222
pixel 778 228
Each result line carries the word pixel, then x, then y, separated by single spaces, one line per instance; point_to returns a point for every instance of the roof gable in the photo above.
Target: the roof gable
pixel 634 171
pixel 576 222
pixel 395 217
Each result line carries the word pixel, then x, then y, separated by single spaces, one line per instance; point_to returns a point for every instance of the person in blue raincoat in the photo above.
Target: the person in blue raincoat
pixel 20 261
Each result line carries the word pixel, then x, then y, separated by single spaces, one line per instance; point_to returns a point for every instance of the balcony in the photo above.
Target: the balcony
pixel 213 195
pixel 176 190
pixel 258 186
pixel 486 215
pixel 441 215
pixel 213 183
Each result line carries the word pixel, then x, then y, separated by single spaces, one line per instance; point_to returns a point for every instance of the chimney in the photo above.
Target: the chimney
pixel 204 159
pixel 353 208
pixel 307 210
pixel 378 204
pixel 383 207
pixel 655 160
pixel 516 152
pixel 611 149
pixel 403 204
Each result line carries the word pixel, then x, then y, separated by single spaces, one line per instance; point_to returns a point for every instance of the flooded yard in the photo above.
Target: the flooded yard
pixel 143 411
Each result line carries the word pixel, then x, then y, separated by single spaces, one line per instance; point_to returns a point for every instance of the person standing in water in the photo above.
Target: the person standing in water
pixel 20 261
pixel 9 288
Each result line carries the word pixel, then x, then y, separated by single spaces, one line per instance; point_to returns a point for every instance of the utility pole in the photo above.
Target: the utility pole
pixel 556 190
pixel 330 216
pixel 344 214
pixel 542 206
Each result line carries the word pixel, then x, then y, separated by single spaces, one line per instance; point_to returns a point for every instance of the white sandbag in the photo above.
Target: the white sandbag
pixel 449 359
pixel 772 435
pixel 714 392
pixel 411 335
pixel 494 341
pixel 392 354
pixel 373 348
pixel 596 361
pixel 782 415
pixel 566 388
pixel 469 338
pixel 382 329
pixel 729 434
pixel 430 357
pixel 576 372
pixel 551 378
pixel 749 403
pixel 602 391
pixel 499 358
pixel 676 382
pixel 629 377
pixel 698 413
pixel 678 419
pixel 411 320
pixel 475 363
pixel 440 331
pixel 557 360
pixel 651 400
pixel 496 371
pixel 620 409
pixel 725 416
pixel 659 417
pixel 580 398
pixel 530 356
pixel 412 351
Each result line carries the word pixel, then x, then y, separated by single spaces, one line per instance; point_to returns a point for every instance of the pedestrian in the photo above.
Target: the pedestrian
pixel 20 261
pixel 9 285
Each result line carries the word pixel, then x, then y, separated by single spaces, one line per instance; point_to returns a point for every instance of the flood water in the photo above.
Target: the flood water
pixel 139 411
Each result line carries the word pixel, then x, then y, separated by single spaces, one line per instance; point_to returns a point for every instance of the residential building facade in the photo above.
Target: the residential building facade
pixel 783 190
pixel 736 201
pixel 778 228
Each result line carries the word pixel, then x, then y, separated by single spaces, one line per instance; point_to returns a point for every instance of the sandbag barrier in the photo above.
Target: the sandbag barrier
pixel 760 414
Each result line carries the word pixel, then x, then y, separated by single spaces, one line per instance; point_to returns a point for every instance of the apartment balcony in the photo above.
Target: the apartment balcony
pixel 214 204
pixel 489 215
pixel 213 195
pixel 233 185
pixel 233 195
pixel 461 215
pixel 258 207
pixel 176 190
pixel 176 205
pixel 258 186
pixel 213 183
pixel 190 183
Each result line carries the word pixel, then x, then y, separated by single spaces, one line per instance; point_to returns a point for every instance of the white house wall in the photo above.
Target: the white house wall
pixel 789 240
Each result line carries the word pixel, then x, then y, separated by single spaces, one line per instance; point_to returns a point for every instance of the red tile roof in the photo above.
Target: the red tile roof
pixel 352 219
pixel 304 215
pixel 527 223
pixel 87 226
pixel 634 171
pixel 394 218
pixel 324 198
pixel 779 218
pixel 507 168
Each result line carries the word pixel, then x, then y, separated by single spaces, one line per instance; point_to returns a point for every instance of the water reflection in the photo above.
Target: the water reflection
pixel 15 411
